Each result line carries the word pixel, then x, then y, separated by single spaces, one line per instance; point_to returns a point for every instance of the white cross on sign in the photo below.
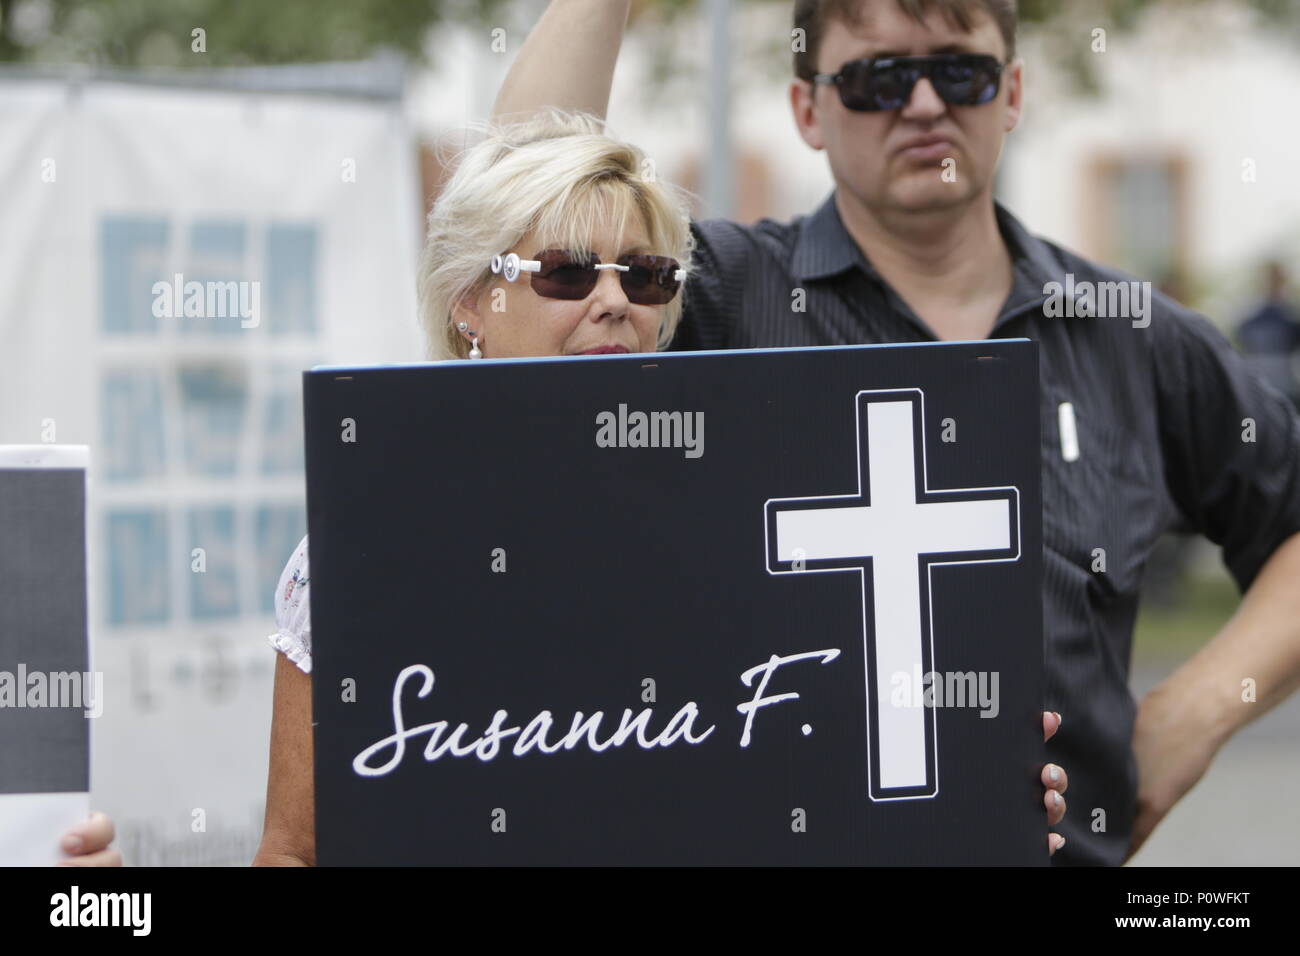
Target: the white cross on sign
pixel 899 532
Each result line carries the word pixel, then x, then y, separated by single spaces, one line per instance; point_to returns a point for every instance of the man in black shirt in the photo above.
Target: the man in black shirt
pixel 1149 419
pixel 1270 335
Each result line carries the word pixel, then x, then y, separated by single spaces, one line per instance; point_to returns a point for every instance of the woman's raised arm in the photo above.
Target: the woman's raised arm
pixel 567 61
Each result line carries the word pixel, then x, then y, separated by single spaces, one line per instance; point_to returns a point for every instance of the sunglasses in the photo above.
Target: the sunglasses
pixel 960 79
pixel 558 274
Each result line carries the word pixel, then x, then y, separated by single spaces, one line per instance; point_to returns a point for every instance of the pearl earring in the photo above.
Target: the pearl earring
pixel 475 352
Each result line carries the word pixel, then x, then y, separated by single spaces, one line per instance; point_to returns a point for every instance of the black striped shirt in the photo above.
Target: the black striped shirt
pixel 1161 417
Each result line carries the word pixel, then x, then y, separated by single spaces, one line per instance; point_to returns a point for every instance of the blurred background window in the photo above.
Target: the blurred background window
pixel 131 420
pixel 133 252
pixel 290 301
pixel 137 567
pixel 1139 214
pixel 214 590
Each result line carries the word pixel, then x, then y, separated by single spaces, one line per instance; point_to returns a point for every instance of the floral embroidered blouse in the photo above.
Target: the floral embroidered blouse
pixel 293 611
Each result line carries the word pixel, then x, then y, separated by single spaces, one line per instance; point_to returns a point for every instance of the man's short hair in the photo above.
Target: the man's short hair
pixel 812 16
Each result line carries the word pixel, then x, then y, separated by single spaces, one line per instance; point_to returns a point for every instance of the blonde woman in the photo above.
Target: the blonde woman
pixel 547 240
pixel 589 257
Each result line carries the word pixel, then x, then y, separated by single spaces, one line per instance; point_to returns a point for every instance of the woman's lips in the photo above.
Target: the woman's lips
pixel 604 350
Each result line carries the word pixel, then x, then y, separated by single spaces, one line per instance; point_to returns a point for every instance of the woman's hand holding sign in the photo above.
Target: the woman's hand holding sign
pixel 1055 781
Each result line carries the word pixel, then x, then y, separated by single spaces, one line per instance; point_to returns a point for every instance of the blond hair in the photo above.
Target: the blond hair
pixel 555 174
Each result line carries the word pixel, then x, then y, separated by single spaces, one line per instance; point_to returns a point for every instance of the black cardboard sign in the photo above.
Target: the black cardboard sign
pixel 762 607
pixel 46 687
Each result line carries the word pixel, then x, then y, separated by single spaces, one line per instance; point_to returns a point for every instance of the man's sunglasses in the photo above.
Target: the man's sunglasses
pixel 960 79
pixel 557 274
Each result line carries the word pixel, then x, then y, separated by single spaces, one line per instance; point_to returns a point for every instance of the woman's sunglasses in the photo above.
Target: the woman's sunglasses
pixel 960 79
pixel 557 274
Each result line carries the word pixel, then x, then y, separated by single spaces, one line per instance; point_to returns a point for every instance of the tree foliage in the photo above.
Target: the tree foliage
pixel 144 33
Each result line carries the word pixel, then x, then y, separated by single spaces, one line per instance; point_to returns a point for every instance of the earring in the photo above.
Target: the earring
pixel 474 353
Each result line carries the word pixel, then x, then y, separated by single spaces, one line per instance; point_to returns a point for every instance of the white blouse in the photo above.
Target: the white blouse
pixel 293 611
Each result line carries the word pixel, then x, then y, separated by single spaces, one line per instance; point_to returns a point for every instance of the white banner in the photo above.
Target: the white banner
pixel 171 259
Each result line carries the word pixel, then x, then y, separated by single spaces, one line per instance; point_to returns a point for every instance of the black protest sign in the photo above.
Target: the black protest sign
pixel 777 606
pixel 47 690
pixel 46 687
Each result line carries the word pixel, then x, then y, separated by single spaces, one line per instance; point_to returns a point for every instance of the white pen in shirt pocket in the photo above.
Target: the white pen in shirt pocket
pixel 1069 431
